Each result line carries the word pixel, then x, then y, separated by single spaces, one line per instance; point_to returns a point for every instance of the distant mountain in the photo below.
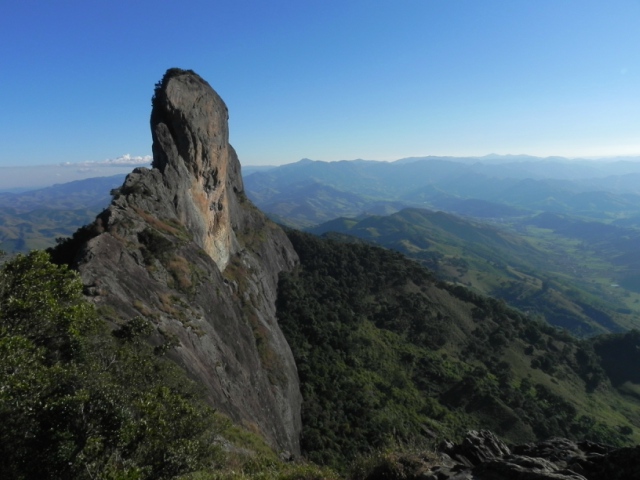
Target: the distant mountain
pixel 576 228
pixel 309 192
pixel 475 208
pixel 249 169
pixel 306 204
pixel 489 260
pixel 526 184
pixel 34 219
pixel 543 167
pixel 622 183
pixel 89 193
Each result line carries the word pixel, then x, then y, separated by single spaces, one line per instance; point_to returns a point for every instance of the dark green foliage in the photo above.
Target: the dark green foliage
pixel 620 354
pixel 156 245
pixel 386 354
pixel 487 259
pixel 135 329
pixel 357 395
pixel 76 402
pixel 64 253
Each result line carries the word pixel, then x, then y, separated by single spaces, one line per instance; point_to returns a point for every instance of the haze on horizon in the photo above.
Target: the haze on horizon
pixel 32 177
pixel 325 79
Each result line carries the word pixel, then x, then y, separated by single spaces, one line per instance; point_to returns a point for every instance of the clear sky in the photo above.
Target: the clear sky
pixel 325 79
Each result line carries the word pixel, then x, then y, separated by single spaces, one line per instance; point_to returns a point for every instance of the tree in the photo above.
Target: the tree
pixel 79 402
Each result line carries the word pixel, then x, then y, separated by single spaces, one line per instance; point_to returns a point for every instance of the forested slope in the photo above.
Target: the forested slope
pixel 387 354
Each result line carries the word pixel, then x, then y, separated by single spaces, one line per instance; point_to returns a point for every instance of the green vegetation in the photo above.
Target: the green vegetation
pixel 22 232
pixel 577 237
pixel 596 270
pixel 620 356
pixel 540 278
pixel 388 355
pixel 81 401
pixel 77 402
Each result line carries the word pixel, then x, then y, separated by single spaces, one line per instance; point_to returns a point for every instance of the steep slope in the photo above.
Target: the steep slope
pixel 489 260
pixel 388 355
pixel 181 245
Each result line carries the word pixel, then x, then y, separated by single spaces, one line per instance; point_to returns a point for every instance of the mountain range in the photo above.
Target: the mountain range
pixel 324 347
pixel 599 190
pixel 34 219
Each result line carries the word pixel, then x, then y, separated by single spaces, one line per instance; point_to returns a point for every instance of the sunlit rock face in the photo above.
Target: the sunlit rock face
pixel 191 141
pixel 182 246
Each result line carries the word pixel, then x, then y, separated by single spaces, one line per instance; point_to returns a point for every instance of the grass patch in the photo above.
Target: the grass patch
pixel 180 270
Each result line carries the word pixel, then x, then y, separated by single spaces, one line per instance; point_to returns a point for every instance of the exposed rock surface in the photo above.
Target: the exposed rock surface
pixel 482 456
pixel 181 245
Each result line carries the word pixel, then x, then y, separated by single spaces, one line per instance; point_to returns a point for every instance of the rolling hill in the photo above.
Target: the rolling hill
pixel 34 219
pixel 491 261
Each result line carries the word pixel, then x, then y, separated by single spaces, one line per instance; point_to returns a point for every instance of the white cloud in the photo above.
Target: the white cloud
pixel 123 160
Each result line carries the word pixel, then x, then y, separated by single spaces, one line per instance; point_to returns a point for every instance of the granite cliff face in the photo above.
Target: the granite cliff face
pixel 189 123
pixel 182 246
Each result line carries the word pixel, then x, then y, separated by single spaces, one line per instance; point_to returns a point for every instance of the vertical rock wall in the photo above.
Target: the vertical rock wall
pixel 181 245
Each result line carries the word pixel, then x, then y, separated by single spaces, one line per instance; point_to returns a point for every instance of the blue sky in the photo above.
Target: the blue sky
pixel 325 79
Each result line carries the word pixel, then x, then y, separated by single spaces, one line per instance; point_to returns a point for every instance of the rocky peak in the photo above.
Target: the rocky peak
pixel 189 125
pixel 182 246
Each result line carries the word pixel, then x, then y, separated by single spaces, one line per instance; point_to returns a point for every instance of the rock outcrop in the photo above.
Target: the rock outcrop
pixel 182 246
pixel 482 456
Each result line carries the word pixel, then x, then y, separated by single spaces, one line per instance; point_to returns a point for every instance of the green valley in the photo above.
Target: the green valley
pixel 389 355
pixel 537 274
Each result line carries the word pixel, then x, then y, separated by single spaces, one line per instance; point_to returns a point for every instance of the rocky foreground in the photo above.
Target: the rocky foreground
pixel 482 456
